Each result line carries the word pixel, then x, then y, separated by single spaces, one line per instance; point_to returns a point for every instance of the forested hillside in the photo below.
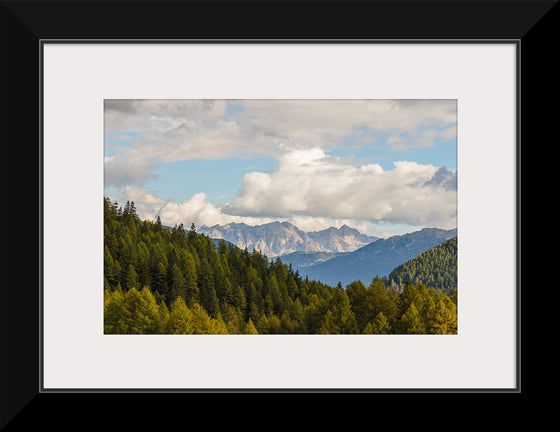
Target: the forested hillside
pixel 160 280
pixel 437 267
pixel 377 258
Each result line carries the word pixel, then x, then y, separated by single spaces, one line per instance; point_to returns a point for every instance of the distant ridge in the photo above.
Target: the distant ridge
pixel 377 258
pixel 279 238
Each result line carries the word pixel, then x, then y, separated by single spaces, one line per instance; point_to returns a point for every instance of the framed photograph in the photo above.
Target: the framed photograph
pixel 255 208
pixel 368 170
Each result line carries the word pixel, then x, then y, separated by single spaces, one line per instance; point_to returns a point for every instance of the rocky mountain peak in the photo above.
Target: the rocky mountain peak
pixel 279 238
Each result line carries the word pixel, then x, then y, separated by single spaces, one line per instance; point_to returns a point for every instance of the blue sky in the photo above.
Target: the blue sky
pixel 374 165
pixel 218 178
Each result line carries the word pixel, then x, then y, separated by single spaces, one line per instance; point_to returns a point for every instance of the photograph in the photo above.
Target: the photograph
pixel 280 216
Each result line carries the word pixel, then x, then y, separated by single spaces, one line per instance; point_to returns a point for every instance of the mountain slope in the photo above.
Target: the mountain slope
pixel 300 259
pixel 279 238
pixel 436 267
pixel 377 258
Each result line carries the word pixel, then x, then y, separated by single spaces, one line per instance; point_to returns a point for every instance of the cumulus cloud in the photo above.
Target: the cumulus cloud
pixel 196 209
pixel 315 191
pixel 310 183
pixel 120 170
pixel 173 130
pixel 444 178
pixel 309 187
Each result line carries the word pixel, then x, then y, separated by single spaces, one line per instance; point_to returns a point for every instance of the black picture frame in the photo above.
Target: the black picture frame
pixel 27 25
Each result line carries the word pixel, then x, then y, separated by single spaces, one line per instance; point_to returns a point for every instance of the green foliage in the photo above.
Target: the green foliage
pixel 191 286
pixel 250 328
pixel 180 318
pixel 437 267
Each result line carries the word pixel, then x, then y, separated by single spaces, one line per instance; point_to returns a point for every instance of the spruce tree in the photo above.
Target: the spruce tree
pixel 149 311
pixel 114 322
pixel 178 283
pixel 180 318
pixel 192 237
pixel 163 317
pixel 381 324
pixel 411 321
pixel 109 267
pixel 250 328
pixel 188 267
pixel 131 280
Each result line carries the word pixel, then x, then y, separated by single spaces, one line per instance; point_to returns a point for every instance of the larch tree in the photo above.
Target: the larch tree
pixel 250 328
pixel 180 318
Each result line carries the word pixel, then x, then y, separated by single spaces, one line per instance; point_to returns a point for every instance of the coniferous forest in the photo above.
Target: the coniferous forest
pixel 437 267
pixel 160 280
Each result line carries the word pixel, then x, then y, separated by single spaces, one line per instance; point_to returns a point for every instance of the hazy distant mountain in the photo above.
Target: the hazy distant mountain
pixel 306 259
pixel 377 258
pixel 279 238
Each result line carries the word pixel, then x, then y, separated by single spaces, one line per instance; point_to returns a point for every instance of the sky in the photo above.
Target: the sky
pixel 384 167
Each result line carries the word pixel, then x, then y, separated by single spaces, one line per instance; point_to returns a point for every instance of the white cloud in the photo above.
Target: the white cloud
pixel 173 130
pixel 310 183
pixel 200 212
pixel 309 187
pixel 196 209
pixel 415 138
pixel 120 170
pixel 147 205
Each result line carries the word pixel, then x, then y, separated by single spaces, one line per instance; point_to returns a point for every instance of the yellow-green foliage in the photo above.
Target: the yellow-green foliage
pixel 161 280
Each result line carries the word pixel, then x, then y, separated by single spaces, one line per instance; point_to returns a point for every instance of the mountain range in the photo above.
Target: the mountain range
pixel 280 238
pixel 332 255
pixel 377 258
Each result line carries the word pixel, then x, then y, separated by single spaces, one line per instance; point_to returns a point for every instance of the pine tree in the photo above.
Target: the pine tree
pixel 159 280
pixel 238 298
pixel 192 237
pixel 200 319
pixel 180 318
pixel 262 324
pixel 113 315
pixel 378 299
pixel 109 267
pixel 250 328
pixel 163 317
pixel 140 312
pixel 441 317
pixel 227 292
pixel 218 326
pixel 178 283
pixel 288 325
pixel 208 297
pixel 212 303
pixel 274 324
pixel 411 322
pixel 328 326
pixel 233 319
pixel 380 324
pixel 368 329
pixel 344 318
pixel 188 267
pixel 149 311
pixel 252 298
pixel 131 280
pixel 357 294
